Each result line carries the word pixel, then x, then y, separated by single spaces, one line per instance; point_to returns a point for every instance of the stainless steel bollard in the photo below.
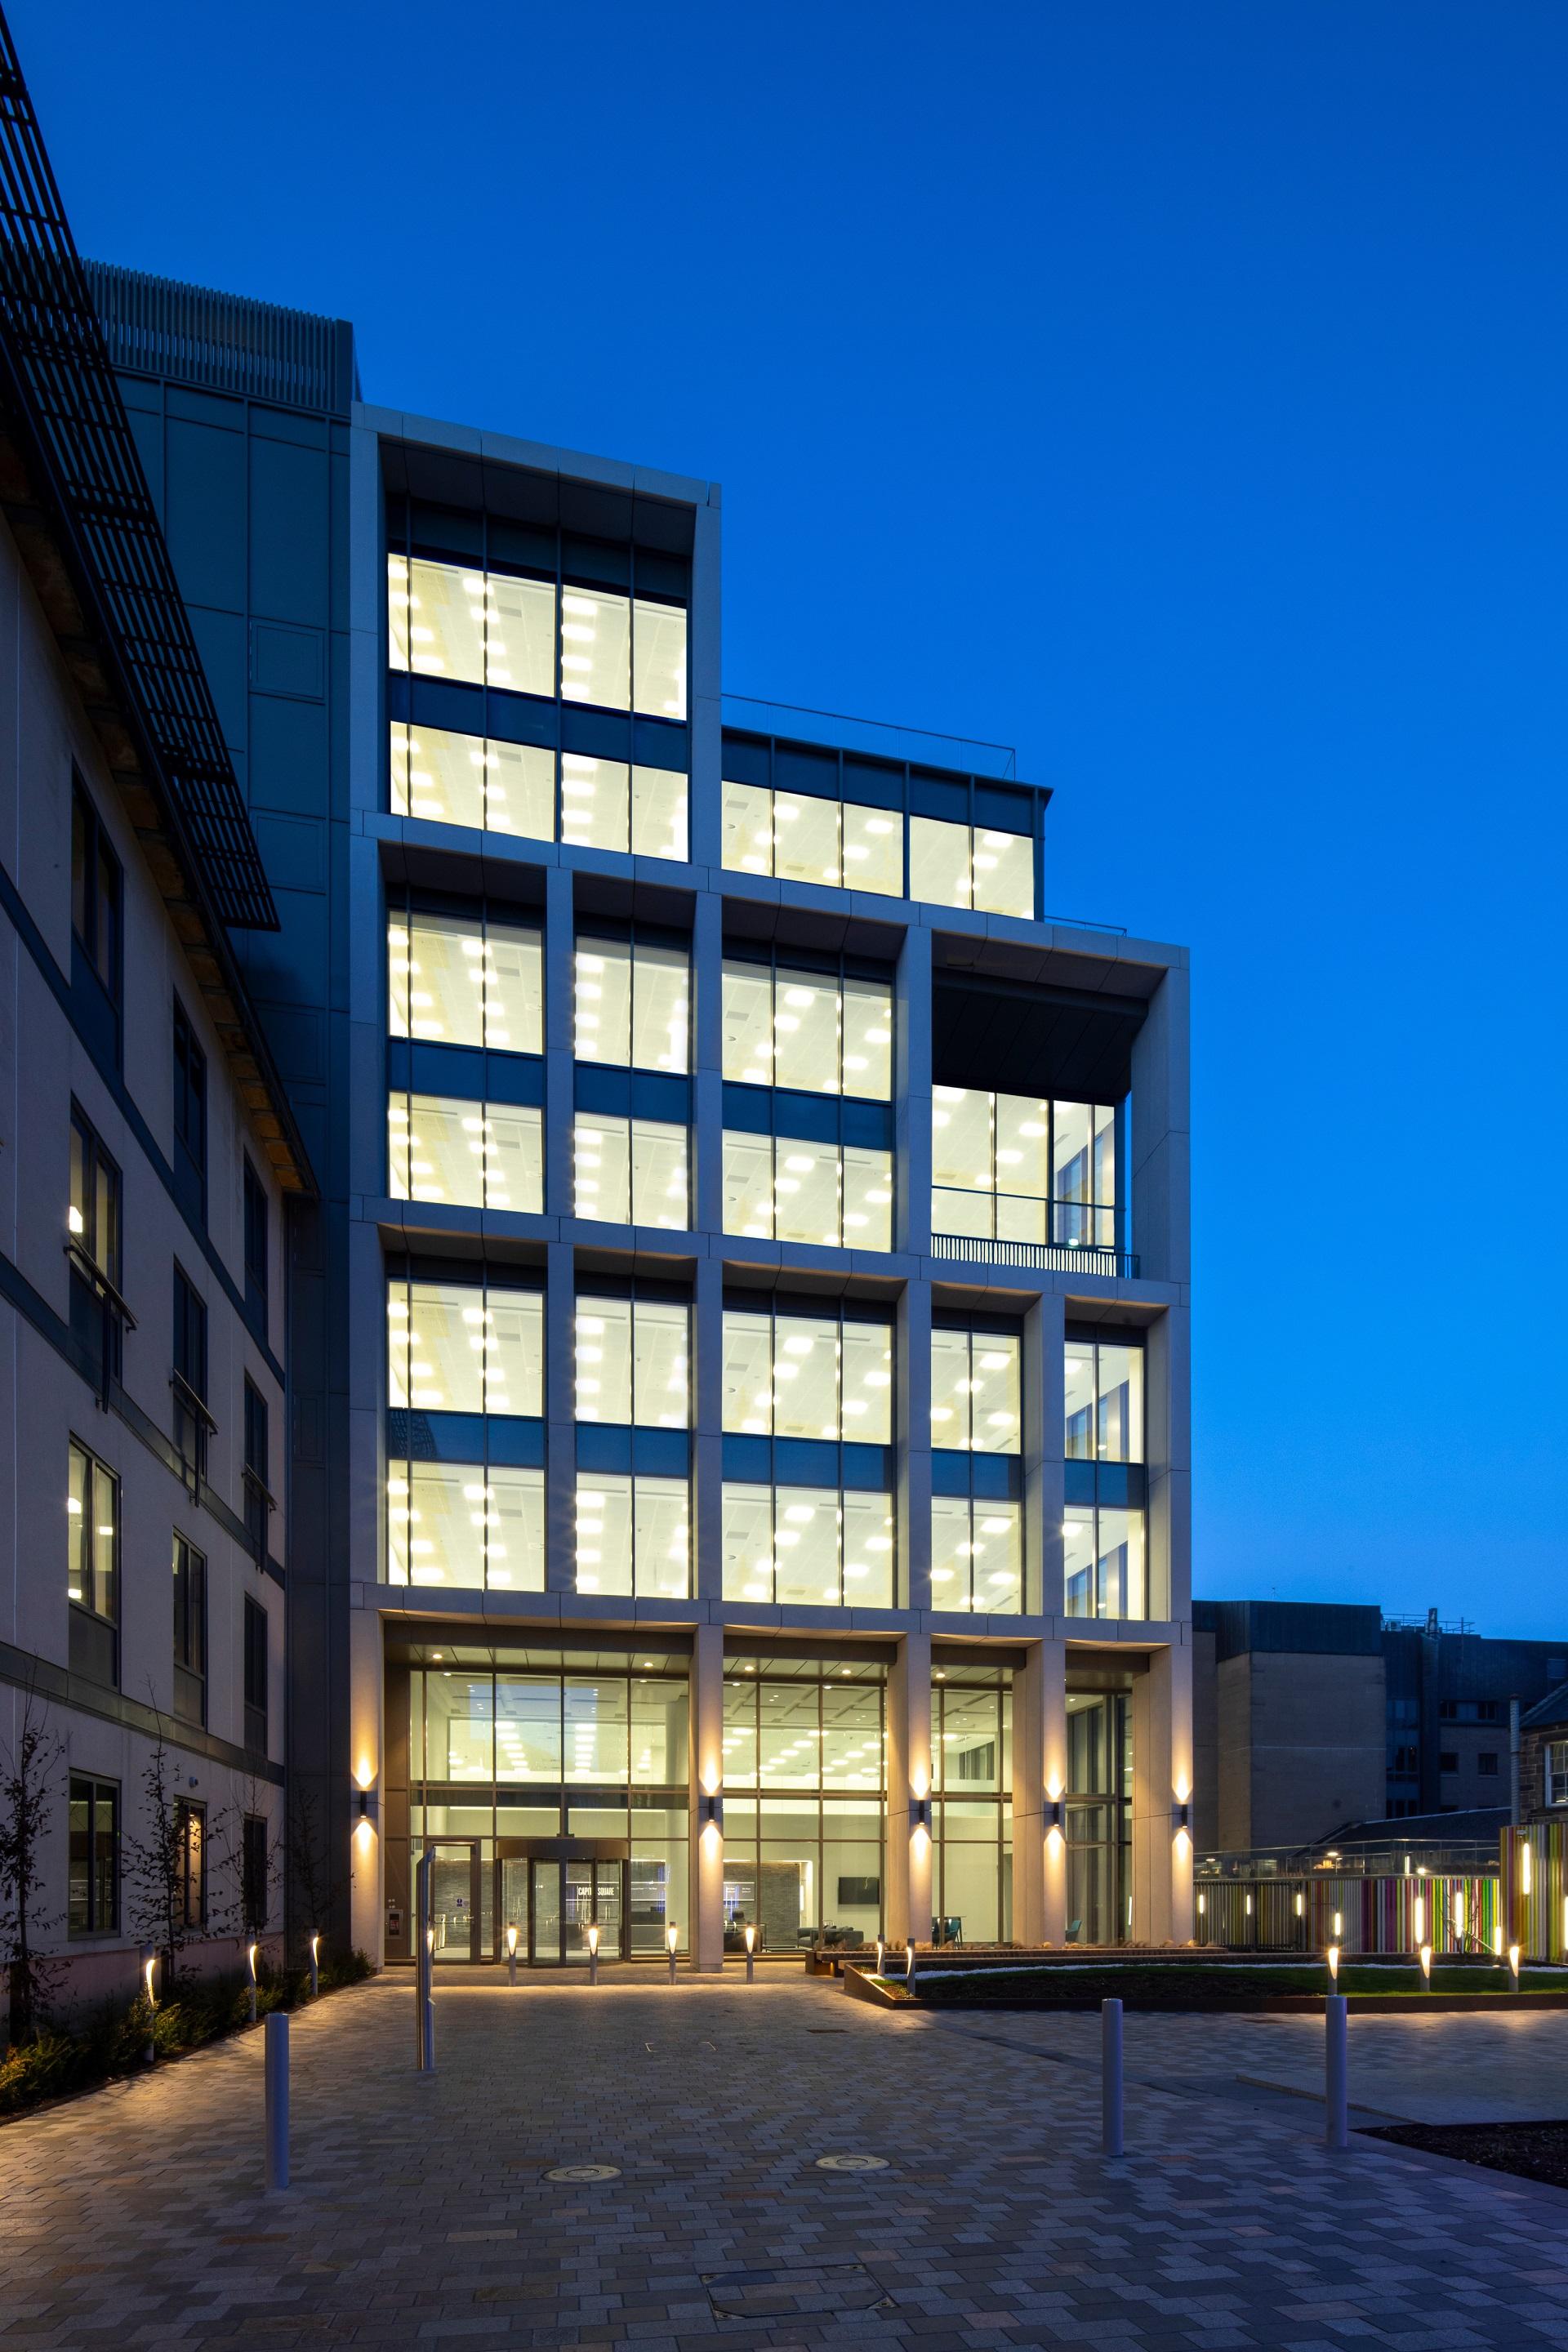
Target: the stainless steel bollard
pixel 594 1968
pixel 1111 2142
pixel 275 2066
pixel 424 1949
pixel 1336 2071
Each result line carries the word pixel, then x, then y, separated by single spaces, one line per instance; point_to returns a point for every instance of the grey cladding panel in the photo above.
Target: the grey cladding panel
pixel 204 513
pixel 1032 1041
pixel 291 536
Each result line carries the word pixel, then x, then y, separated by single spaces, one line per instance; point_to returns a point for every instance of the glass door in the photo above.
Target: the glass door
pixel 544 1918
pixel 609 1907
pixel 454 1901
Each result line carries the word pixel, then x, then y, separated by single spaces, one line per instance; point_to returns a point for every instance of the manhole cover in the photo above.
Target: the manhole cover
pixel 794 2291
pixel 583 2172
pixel 852 2164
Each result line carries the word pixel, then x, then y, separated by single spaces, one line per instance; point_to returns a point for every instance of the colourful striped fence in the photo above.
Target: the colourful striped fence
pixel 1534 1897
pixel 1384 1913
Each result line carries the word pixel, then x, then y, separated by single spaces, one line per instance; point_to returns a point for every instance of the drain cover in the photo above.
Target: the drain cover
pixel 794 2291
pixel 583 2172
pixel 852 2164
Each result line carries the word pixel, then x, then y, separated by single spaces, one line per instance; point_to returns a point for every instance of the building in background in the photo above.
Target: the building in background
pixel 737 1359
pixel 1308 1717
pixel 147 1149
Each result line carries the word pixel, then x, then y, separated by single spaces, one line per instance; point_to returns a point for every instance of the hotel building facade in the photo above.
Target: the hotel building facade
pixel 738 1423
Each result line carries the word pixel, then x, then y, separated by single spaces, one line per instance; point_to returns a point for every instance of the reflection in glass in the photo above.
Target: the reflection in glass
pixel 1103 1559
pixel 470 1154
pixel 1104 1401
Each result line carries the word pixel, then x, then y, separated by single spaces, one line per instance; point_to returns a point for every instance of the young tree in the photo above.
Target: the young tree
pixel 28 1768
pixel 242 1864
pixel 313 1882
pixel 160 1864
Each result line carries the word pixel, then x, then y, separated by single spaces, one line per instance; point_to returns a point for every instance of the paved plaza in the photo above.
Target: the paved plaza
pixel 421 2212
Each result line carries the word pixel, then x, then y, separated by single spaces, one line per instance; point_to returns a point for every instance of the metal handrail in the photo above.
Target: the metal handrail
pixel 91 1272
pixel 192 1402
pixel 1042 1258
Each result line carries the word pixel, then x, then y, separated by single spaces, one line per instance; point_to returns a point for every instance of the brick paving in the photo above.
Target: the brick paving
pixel 420 2214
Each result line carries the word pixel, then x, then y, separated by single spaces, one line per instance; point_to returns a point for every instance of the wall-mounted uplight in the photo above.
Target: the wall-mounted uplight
pixel 250 1964
pixel 920 1815
pixel 1053 1813
pixel 366 1810
pixel 1300 1904
pixel 1180 1813
pixel 149 1972
pixel 1203 1905
pixel 711 1811
pixel 315 1965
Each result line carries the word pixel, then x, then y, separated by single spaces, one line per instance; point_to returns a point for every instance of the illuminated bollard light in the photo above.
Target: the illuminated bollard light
pixel 149 1970
pixel 1514 1963
pixel 594 1953
pixel 1110 2143
pixel 1333 1964
pixel 511 1954
pixel 315 1968
pixel 250 1964
pixel 910 1965
pixel 275 2064
pixel 672 1936
pixel 1425 1959
pixel 1336 2071
pixel 750 1955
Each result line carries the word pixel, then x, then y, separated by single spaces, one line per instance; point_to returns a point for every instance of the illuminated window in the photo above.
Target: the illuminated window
pixel 808 1546
pixel 971 865
pixel 1103 1557
pixel 606 805
pixel 632 1004
pixel 659 659
pixel 820 1033
pixel 460 1523
pixel 633 1534
pixel 815 1376
pixel 974 1392
pixel 976 1553
pixel 785 1188
pixel 465 979
pixel 455 621
pixel 478 1155
pixel 1104 1401
pixel 799 838
pixel 1018 1168
pixel 633 1362
pixel 630 1172
pixel 464 1348
pixel 473 780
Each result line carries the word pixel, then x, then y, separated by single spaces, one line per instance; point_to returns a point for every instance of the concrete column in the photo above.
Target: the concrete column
pixel 909 1865
pixel 705 1930
pixel 912 1133
pixel 1160 1188
pixel 1040 1777
pixel 1169 1455
pixel 1043 1491
pixel 559 1023
pixel 708 1065
pixel 1162 1778
pixel 707 711
pixel 367 1908
pixel 706 1429
pixel 559 1419
pixel 913 1459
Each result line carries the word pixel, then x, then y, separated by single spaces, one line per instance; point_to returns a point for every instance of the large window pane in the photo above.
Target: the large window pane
pixel 1023 1126
pixel 631 1172
pixel 430 1363
pixel 867 1197
pixel 445 619
pixel 806 1047
pixel 659 1175
pixel 747 1022
pixel 459 1727
pixel 514 989
pixel 1104 1563
pixel 1077 1379
pixel 950 1551
pixel 633 1536
pixel 597 1746
pixel 805 1376
pixel 963 1149
pixel 603 1001
pixel 604 1532
pixel 748 1185
pixel 806 1546
pixel 593 795
pixel 661 1348
pixel 867 1367
pixel 661 1538
pixel 595 649
pixel 996 1406
pixel 869 1039
pixel 940 869
pixel 1121 1403
pixel 473 781
pixel 519 652
pixel 476 1155
pixel 659 650
pixel 997 1555
pixel 604 1360
pixel 748 1542
pixel 1004 873
pixel 949 1390
pixel 748 829
pixel 632 1363
pixel 528 1726
pixel 660 1018
pixel 512 1351
pixel 806 839
pixel 602 1155
pixel 869 1550
pixel 806 1192
pixel 873 850
pixel 660 802
pixel 748 1373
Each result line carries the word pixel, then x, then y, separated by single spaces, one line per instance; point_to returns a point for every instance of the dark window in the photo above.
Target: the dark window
pixel 257 1495
pixel 95 892
pixel 93 1573
pixel 254 1249
pixel 1406 1759
pixel 190 1632
pixel 93 1893
pixel 92 1241
pixel 190 1118
pixel 1487 1710
pixel 1449 1710
pixel 189 1378
pixel 1448 1761
pixel 1486 1762
pixel 255 1676
pixel 254 1870
pixel 191 1829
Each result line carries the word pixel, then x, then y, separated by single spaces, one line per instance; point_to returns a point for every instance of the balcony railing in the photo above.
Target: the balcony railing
pixel 1041 1258
pixel 1024 1230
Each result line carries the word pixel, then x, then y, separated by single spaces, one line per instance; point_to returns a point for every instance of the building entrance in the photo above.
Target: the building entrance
pixel 552 1890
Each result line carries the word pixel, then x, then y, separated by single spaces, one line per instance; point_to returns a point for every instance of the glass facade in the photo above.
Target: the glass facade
pixel 1103 1380
pixel 634 1361
pixel 791 1188
pixel 633 1004
pixel 808 1546
pixel 1104 1533
pixel 791 1373
pixel 476 1525
pixel 805 1802
pixel 1103 1560
pixel 851 845
pixel 971 865
pixel 821 1032
pixel 633 1534
pixel 1015 1168
pixel 506 1759
pixel 971 1809
pixel 478 1155
pixel 464 1347
pixel 473 780
pixel 1098 1817
pixel 977 1553
pixel 479 626
pixel 465 980
pixel 975 1393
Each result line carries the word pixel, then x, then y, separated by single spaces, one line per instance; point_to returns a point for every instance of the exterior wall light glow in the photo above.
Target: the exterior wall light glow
pixel 1420 1919
pixel 1053 1811
pixel 710 1811
pixel 920 1814
pixel 1300 1904
pixel 149 1970
pixel 1203 1905
pixel 1524 1865
pixel 315 1965
pixel 1339 1925
pixel 752 1955
pixel 1179 1816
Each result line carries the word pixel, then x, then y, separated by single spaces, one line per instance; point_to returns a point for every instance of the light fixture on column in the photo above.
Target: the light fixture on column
pixel 920 1815
pixel 365 1806
pixel 1180 1815
pixel 1053 1813
pixel 711 1811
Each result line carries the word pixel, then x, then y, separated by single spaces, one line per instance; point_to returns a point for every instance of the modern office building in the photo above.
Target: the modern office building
pixel 147 1148
pixel 737 1439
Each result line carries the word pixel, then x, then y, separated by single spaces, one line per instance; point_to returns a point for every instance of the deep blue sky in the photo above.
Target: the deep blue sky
pixel 1178 393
